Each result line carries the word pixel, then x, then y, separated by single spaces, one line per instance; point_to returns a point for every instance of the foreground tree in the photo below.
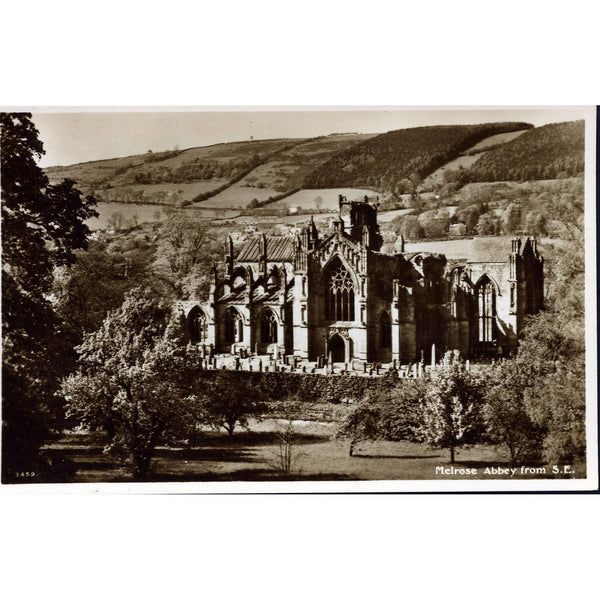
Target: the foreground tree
pixel 553 356
pixel 360 423
pixel 450 411
pixel 42 225
pixel 505 412
pixel 135 381
pixel 552 353
pixel 229 401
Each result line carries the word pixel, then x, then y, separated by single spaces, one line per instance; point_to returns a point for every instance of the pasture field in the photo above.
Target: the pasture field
pixel 145 213
pixel 390 215
pixel 306 198
pixel 150 213
pixel 237 196
pixel 253 456
pixel 117 170
pixel 493 140
pixel 437 177
pixel 162 193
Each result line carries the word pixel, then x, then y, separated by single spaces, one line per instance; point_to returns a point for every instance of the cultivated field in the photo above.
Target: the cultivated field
pixel 119 170
pixel 437 177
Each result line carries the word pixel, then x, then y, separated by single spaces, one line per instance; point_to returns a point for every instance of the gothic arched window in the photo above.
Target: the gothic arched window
pixel 234 330
pixel 339 293
pixel 198 325
pixel 385 331
pixel 486 310
pixel 268 327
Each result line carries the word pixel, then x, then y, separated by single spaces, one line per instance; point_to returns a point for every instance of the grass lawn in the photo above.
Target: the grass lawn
pixel 253 455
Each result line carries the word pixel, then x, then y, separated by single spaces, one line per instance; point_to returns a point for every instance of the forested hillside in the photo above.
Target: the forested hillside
pixel 552 151
pixel 387 161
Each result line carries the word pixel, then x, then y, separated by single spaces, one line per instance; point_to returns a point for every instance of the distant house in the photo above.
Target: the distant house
pixel 457 229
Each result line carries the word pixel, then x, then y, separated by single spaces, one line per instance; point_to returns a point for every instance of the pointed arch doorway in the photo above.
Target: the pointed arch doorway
pixel 337 348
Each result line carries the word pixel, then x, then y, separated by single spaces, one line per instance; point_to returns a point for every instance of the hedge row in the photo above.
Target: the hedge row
pixel 311 388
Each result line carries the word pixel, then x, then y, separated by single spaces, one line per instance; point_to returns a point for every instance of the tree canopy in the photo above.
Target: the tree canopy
pixel 42 226
pixel 135 380
pixel 450 410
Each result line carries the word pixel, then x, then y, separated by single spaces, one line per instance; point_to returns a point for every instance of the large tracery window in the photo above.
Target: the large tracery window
pixel 486 313
pixel 234 330
pixel 268 327
pixel 198 325
pixel 339 294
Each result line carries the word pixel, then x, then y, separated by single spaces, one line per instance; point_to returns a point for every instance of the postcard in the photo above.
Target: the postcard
pixel 312 300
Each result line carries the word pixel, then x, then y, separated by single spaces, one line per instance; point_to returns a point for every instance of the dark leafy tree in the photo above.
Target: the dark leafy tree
pixel 505 411
pixel 487 224
pixel 360 422
pixel 98 281
pixel 42 226
pixel 229 401
pixel 553 353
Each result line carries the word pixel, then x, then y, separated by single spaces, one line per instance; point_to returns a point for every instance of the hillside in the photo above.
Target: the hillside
pixel 234 173
pixel 164 177
pixel 306 174
pixel 466 159
pixel 547 152
pixel 285 171
pixel 386 162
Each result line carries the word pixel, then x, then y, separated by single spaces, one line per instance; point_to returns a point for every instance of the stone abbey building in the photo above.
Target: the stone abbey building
pixel 337 295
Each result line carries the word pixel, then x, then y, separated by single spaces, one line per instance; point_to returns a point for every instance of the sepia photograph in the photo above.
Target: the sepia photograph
pixel 314 299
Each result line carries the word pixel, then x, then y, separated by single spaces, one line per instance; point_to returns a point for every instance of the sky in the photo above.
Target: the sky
pixel 91 134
